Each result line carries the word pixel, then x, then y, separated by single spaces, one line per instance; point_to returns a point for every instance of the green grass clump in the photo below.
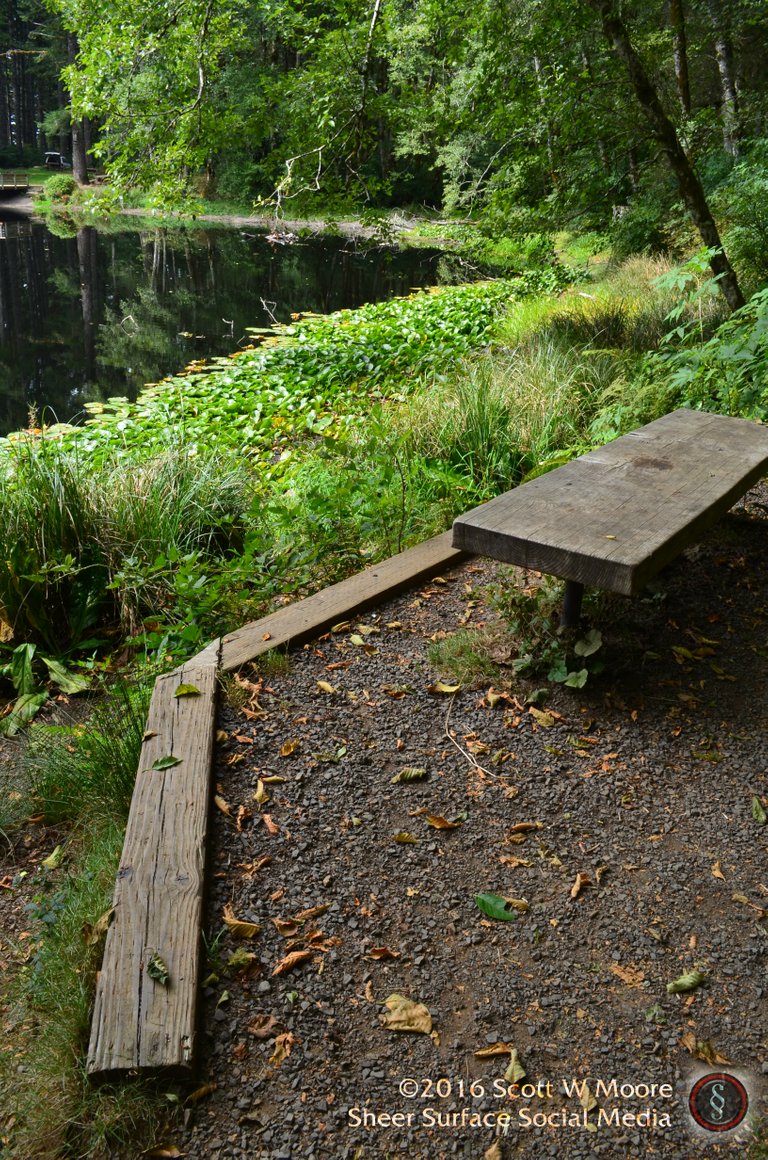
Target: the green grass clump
pixel 465 656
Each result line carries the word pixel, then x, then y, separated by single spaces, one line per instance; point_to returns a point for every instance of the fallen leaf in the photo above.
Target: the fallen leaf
pixel 515 1072
pixel 521 905
pixel 163 1153
pixel 441 687
pixel 526 827
pixel 273 779
pixel 758 813
pixel 311 912
pixel 326 687
pixel 271 826
pixel 582 880
pixel 200 1093
pixel 93 933
pixel 153 733
pixel 261 797
pixel 702 1049
pixel 512 862
pixel 494 1049
pixel 283 1045
pixel 586 1099
pixel 542 717
pixel 687 982
pixel 629 975
pixel 405 839
pixel 243 814
pixel 238 927
pixel 494 1152
pixel 241 960
pixel 717 872
pixel 166 762
pixel 294 959
pixel 409 773
pixel 235 759
pixel 440 823
pixel 286 927
pixel 290 746
pixel 377 953
pixel 264 1027
pixel 158 970
pixel 53 861
pixel 187 691
pixel 405 1015
pixel 222 805
pixel 495 907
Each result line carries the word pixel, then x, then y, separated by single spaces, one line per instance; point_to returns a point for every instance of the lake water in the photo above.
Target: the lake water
pixel 100 313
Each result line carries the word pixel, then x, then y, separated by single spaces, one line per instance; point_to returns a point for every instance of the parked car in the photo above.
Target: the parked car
pixel 56 161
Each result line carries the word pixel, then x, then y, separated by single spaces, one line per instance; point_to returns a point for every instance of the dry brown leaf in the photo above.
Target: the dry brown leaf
pixel 702 1049
pixel 94 932
pixel 629 975
pixel 264 1027
pixel 283 1045
pixel 377 953
pixel 542 717
pixel 403 838
pixel 223 805
pixel 494 1152
pixel 221 735
pixel 286 927
pixel 294 959
pixel 494 1049
pixel 290 746
pixel 582 880
pixel 526 827
pixel 261 797
pixel 271 826
pixel 717 871
pixel 405 1015
pixel 243 814
pixel 513 862
pixel 312 912
pixel 235 759
pixel 200 1093
pixel 237 927
pixel 440 823
pixel 586 1099
pixel 162 1153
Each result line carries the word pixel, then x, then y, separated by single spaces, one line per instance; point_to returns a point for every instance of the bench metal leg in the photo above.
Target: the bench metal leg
pixel 571 612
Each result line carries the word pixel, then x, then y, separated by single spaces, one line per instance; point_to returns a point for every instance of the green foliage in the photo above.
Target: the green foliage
pixel 532 614
pixel 465 656
pixel 60 188
pixel 88 771
pixel 82 548
pixel 300 382
pixel 741 200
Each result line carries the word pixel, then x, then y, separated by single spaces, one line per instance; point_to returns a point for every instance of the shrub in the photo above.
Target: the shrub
pixel 60 187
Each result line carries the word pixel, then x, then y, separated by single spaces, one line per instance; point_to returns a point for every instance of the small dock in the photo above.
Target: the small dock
pixel 14 184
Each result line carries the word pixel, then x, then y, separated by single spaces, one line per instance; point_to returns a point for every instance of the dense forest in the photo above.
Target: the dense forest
pixel 537 113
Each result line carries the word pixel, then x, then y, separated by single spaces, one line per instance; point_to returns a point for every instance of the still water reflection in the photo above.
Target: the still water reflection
pixel 101 313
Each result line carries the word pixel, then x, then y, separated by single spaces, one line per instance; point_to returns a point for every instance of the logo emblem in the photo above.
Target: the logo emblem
pixel 718 1102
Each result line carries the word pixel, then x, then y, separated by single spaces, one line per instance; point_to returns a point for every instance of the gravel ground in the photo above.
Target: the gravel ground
pixel 643 783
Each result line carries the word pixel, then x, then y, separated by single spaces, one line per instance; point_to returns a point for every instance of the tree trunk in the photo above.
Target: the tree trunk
pixel 664 132
pixel 680 54
pixel 79 159
pixel 730 105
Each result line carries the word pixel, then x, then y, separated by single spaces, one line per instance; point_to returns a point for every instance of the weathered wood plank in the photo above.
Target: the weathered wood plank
pixel 138 1022
pixel 316 613
pixel 614 517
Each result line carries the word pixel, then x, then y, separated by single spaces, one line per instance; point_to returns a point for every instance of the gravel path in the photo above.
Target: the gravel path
pixel 622 814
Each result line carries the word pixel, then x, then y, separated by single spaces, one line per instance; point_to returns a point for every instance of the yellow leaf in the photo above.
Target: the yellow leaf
pixel 582 880
pixel 494 1049
pixel 405 1015
pixel 326 687
pixel 238 928
pixel 223 805
pixel 441 687
pixel 294 959
pixel 542 717
pixel 261 797
pixel 717 872
pixel 438 823
pixel 289 747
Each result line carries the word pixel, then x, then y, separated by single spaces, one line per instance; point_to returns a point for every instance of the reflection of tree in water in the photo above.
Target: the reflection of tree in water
pixel 138 338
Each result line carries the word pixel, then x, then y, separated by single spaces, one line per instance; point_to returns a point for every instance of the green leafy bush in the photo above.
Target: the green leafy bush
pixel 60 187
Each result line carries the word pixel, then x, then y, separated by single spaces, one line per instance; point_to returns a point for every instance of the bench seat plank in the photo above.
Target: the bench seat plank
pixel 614 517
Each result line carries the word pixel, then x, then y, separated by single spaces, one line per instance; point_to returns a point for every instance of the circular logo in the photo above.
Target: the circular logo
pixel 718 1102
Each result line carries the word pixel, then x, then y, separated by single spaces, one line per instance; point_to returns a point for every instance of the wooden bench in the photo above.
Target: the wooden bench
pixel 614 517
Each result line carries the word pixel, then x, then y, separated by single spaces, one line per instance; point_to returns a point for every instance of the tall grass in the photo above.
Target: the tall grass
pixel 78 542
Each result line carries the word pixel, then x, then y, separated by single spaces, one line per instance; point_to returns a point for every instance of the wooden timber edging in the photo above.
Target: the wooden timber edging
pixel 140 1022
